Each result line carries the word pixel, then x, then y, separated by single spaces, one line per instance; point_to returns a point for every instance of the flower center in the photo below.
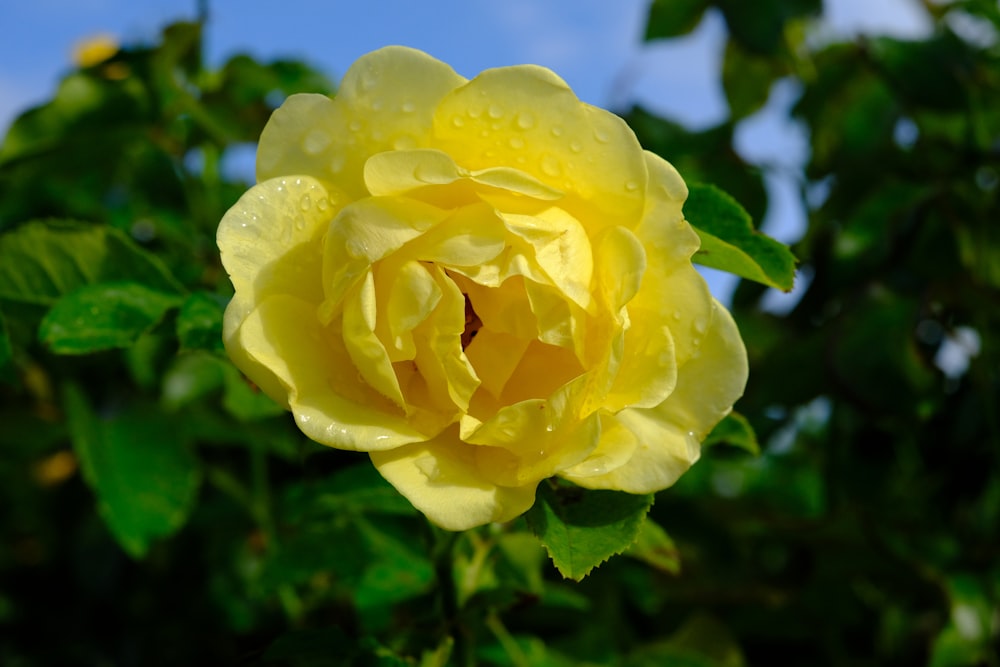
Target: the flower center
pixel 472 323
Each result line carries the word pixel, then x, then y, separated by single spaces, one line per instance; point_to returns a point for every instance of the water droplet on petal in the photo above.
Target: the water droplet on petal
pixel 337 164
pixel 457 121
pixel 408 107
pixel 575 146
pixel 404 143
pixel 557 131
pixel 316 142
pixel 551 166
pixel 526 120
pixel 700 326
pixel 323 204
pixel 377 105
pixel 677 315
pixel 631 186
pixel 475 112
pixel 516 142
pixel 495 111
pixel 369 80
pixel 378 135
pixel 354 125
pixel 300 222
pixel 305 203
pixel 601 136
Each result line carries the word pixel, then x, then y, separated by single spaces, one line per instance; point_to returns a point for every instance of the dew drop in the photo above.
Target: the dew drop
pixel 404 143
pixel 495 111
pixel 316 142
pixel 475 112
pixel 378 135
pixel 484 134
pixel 700 326
pixel 631 186
pixel 408 107
pixel 369 80
pixel 354 125
pixel 550 166
pixel 458 121
pixel 677 315
pixel 516 142
pixel 305 203
pixel 337 164
pixel 575 146
pixel 323 204
pixel 557 131
pixel 300 222
pixel 377 105
pixel 601 136
pixel 521 159
pixel 356 249
pixel 490 153
pixel 526 120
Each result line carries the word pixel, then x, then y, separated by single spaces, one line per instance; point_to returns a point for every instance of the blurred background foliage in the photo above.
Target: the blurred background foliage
pixel 155 509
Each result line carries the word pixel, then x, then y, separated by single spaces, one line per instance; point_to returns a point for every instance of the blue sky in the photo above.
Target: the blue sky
pixel 595 45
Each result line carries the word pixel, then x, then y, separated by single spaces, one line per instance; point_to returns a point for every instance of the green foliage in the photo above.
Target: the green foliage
pixel 730 243
pixel 144 475
pixel 581 529
pixel 846 515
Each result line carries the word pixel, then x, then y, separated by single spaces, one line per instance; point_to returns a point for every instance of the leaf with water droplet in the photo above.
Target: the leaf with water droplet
pixel 582 528
pixel 730 243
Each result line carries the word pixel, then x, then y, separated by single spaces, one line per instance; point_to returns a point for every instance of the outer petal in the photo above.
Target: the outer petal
pixel 270 243
pixel 670 434
pixel 284 336
pixel 528 118
pixel 441 479
pixel 386 101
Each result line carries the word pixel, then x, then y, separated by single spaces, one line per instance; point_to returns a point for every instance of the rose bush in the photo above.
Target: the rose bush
pixel 481 283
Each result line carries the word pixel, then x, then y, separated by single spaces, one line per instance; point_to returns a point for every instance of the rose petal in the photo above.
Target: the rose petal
pixel 378 107
pixel 441 479
pixel 440 358
pixel 528 118
pixel 410 295
pixel 284 336
pixel 365 232
pixel 364 347
pixel 561 248
pixel 670 434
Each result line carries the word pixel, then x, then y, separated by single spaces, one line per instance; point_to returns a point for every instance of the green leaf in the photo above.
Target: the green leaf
pixel 103 317
pixel 760 26
pixel 43 260
pixel 671 18
pixel 730 243
pixel 654 547
pixel 143 472
pixel 581 528
pixel 199 322
pixel 734 430
pixel 747 79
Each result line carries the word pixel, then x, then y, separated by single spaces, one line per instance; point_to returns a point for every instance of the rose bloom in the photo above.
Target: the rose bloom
pixel 480 283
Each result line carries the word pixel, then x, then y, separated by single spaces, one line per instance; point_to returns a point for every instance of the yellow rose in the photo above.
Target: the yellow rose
pixel 480 283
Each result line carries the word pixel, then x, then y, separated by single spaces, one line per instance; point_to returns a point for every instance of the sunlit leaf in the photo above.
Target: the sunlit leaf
pixel 581 529
pixel 730 243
